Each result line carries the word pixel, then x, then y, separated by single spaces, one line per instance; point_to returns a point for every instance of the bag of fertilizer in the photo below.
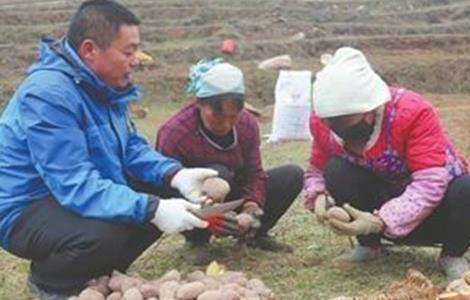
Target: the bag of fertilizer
pixel 292 106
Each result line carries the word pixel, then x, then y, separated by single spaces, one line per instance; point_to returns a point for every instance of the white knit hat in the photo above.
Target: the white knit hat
pixel 348 85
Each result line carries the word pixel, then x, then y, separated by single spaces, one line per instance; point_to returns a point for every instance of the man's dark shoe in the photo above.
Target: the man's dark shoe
pixel 197 254
pixel 269 244
pixel 41 294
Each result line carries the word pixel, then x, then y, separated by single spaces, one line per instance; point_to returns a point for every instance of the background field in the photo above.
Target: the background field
pixel 420 44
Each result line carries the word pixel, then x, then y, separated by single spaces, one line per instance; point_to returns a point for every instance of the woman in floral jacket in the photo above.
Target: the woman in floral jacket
pixel 381 153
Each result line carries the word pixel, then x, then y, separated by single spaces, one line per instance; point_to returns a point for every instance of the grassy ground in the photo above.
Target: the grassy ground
pixel 307 274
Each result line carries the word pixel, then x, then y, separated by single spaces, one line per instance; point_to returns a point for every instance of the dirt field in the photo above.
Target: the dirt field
pixel 420 44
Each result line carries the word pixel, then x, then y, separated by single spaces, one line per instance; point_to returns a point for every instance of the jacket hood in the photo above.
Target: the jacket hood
pixel 59 55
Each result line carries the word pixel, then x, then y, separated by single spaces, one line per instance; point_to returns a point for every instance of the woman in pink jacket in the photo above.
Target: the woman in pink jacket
pixel 381 154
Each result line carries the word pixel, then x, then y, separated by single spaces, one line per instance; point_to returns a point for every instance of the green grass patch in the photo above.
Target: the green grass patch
pixel 308 273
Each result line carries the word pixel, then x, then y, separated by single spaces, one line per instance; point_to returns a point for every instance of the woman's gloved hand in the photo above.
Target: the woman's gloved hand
pixel 363 223
pixel 249 220
pixel 225 225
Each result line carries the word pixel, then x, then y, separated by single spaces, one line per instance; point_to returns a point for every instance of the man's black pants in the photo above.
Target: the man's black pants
pixel 66 250
pixel 448 225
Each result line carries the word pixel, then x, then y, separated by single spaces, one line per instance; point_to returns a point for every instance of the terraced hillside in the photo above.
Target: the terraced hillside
pixel 420 44
pixel 423 43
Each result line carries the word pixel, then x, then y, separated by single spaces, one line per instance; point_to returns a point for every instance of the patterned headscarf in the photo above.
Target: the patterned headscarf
pixel 215 77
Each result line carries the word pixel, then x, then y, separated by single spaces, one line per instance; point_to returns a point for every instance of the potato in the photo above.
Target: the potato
pixel 172 275
pixel 114 296
pixel 229 295
pixel 115 283
pixel 196 276
pixel 251 295
pixel 465 293
pixel 466 277
pixel 150 289
pixel 233 277
pixel 338 213
pixel 215 188
pixel 129 283
pixel 168 290
pixel 450 296
pixel 100 284
pixel 228 285
pixel 211 283
pixel 457 285
pixel 190 290
pixel 90 294
pixel 232 287
pixel 244 221
pixel 121 282
pixel 211 295
pixel 219 295
pixel 116 273
pixel 132 294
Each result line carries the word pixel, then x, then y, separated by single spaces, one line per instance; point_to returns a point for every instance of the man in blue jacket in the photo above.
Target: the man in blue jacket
pixel 69 153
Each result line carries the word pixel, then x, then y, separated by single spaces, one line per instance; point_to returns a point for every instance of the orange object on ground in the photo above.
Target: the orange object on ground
pixel 228 46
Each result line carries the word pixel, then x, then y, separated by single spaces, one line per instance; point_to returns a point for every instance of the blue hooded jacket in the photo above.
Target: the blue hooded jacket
pixel 66 134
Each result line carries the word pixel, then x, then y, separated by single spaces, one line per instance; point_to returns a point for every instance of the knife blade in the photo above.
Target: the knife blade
pixel 217 209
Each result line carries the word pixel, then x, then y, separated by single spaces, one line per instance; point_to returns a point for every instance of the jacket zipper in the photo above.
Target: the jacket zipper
pixel 113 128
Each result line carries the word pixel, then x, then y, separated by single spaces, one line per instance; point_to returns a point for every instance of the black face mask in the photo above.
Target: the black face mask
pixel 359 132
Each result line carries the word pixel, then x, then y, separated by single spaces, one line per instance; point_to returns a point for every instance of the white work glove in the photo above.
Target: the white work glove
pixel 172 216
pixel 363 223
pixel 188 182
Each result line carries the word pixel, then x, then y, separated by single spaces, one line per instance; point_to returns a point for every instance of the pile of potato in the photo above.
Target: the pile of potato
pixel 414 286
pixel 417 286
pixel 228 285
pixel 458 289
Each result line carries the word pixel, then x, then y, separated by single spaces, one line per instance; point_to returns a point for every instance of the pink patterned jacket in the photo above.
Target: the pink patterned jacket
pixel 408 147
